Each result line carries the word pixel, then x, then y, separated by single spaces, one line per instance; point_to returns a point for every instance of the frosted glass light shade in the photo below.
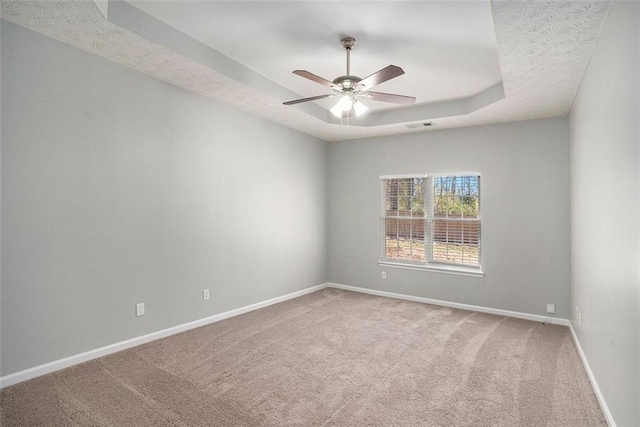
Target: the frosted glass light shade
pixel 359 108
pixel 345 104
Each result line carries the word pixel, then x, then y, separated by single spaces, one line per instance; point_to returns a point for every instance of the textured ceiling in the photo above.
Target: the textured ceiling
pixel 543 49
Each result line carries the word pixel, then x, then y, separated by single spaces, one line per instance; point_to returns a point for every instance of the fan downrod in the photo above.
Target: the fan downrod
pixel 348 82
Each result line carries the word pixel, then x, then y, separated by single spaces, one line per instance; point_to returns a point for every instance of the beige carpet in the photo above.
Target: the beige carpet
pixel 329 358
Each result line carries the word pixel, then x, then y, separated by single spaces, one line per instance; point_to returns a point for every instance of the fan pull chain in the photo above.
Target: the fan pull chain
pixel 348 130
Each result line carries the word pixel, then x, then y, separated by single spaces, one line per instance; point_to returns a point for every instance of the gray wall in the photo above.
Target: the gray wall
pixel 1 25
pixel 525 212
pixel 118 188
pixel 605 170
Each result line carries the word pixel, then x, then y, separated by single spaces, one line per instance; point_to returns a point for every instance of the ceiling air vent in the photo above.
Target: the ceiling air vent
pixel 420 125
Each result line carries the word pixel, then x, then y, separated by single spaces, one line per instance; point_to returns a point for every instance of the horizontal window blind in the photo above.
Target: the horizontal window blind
pixel 453 222
pixel 403 219
pixel 431 219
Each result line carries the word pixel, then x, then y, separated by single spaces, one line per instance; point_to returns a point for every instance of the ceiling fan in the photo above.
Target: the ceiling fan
pixel 350 88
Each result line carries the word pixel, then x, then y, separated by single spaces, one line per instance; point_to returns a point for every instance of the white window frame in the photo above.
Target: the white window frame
pixel 428 264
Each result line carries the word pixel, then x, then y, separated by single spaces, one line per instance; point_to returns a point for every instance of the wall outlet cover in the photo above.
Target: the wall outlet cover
pixel 551 308
pixel 140 309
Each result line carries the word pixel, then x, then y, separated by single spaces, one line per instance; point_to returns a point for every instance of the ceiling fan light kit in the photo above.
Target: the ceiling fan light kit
pixel 350 88
pixel 346 104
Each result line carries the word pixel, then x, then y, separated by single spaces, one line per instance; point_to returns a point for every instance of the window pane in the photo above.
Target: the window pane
pixel 456 242
pixel 405 240
pixel 392 197
pixel 405 197
pixel 456 197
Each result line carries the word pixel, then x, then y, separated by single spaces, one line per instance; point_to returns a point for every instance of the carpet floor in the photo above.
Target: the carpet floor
pixel 329 358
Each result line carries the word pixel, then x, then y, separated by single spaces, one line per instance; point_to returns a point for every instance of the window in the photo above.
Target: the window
pixel 431 221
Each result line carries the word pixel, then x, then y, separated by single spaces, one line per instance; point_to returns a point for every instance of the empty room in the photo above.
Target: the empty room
pixel 320 213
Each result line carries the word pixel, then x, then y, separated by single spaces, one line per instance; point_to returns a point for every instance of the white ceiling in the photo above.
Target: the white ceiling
pixel 242 53
pixel 447 50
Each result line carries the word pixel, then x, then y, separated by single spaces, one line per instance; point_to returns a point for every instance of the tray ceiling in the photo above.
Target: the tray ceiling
pixel 448 50
pixel 467 63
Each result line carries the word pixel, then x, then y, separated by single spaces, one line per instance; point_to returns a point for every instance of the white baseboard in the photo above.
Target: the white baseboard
pixel 592 379
pixel 497 311
pixel 57 365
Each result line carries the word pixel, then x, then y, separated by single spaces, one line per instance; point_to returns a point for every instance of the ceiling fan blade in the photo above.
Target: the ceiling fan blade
pixel 313 98
pixel 388 97
pixel 387 73
pixel 314 78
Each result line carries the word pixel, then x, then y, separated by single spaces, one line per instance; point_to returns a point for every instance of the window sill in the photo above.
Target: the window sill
pixel 447 269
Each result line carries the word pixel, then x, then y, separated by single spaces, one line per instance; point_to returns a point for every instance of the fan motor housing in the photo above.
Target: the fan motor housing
pixel 347 82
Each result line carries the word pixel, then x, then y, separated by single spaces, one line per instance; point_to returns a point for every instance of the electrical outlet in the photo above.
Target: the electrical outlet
pixel 140 309
pixel 551 308
pixel 384 275
pixel 579 319
pixel 205 294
